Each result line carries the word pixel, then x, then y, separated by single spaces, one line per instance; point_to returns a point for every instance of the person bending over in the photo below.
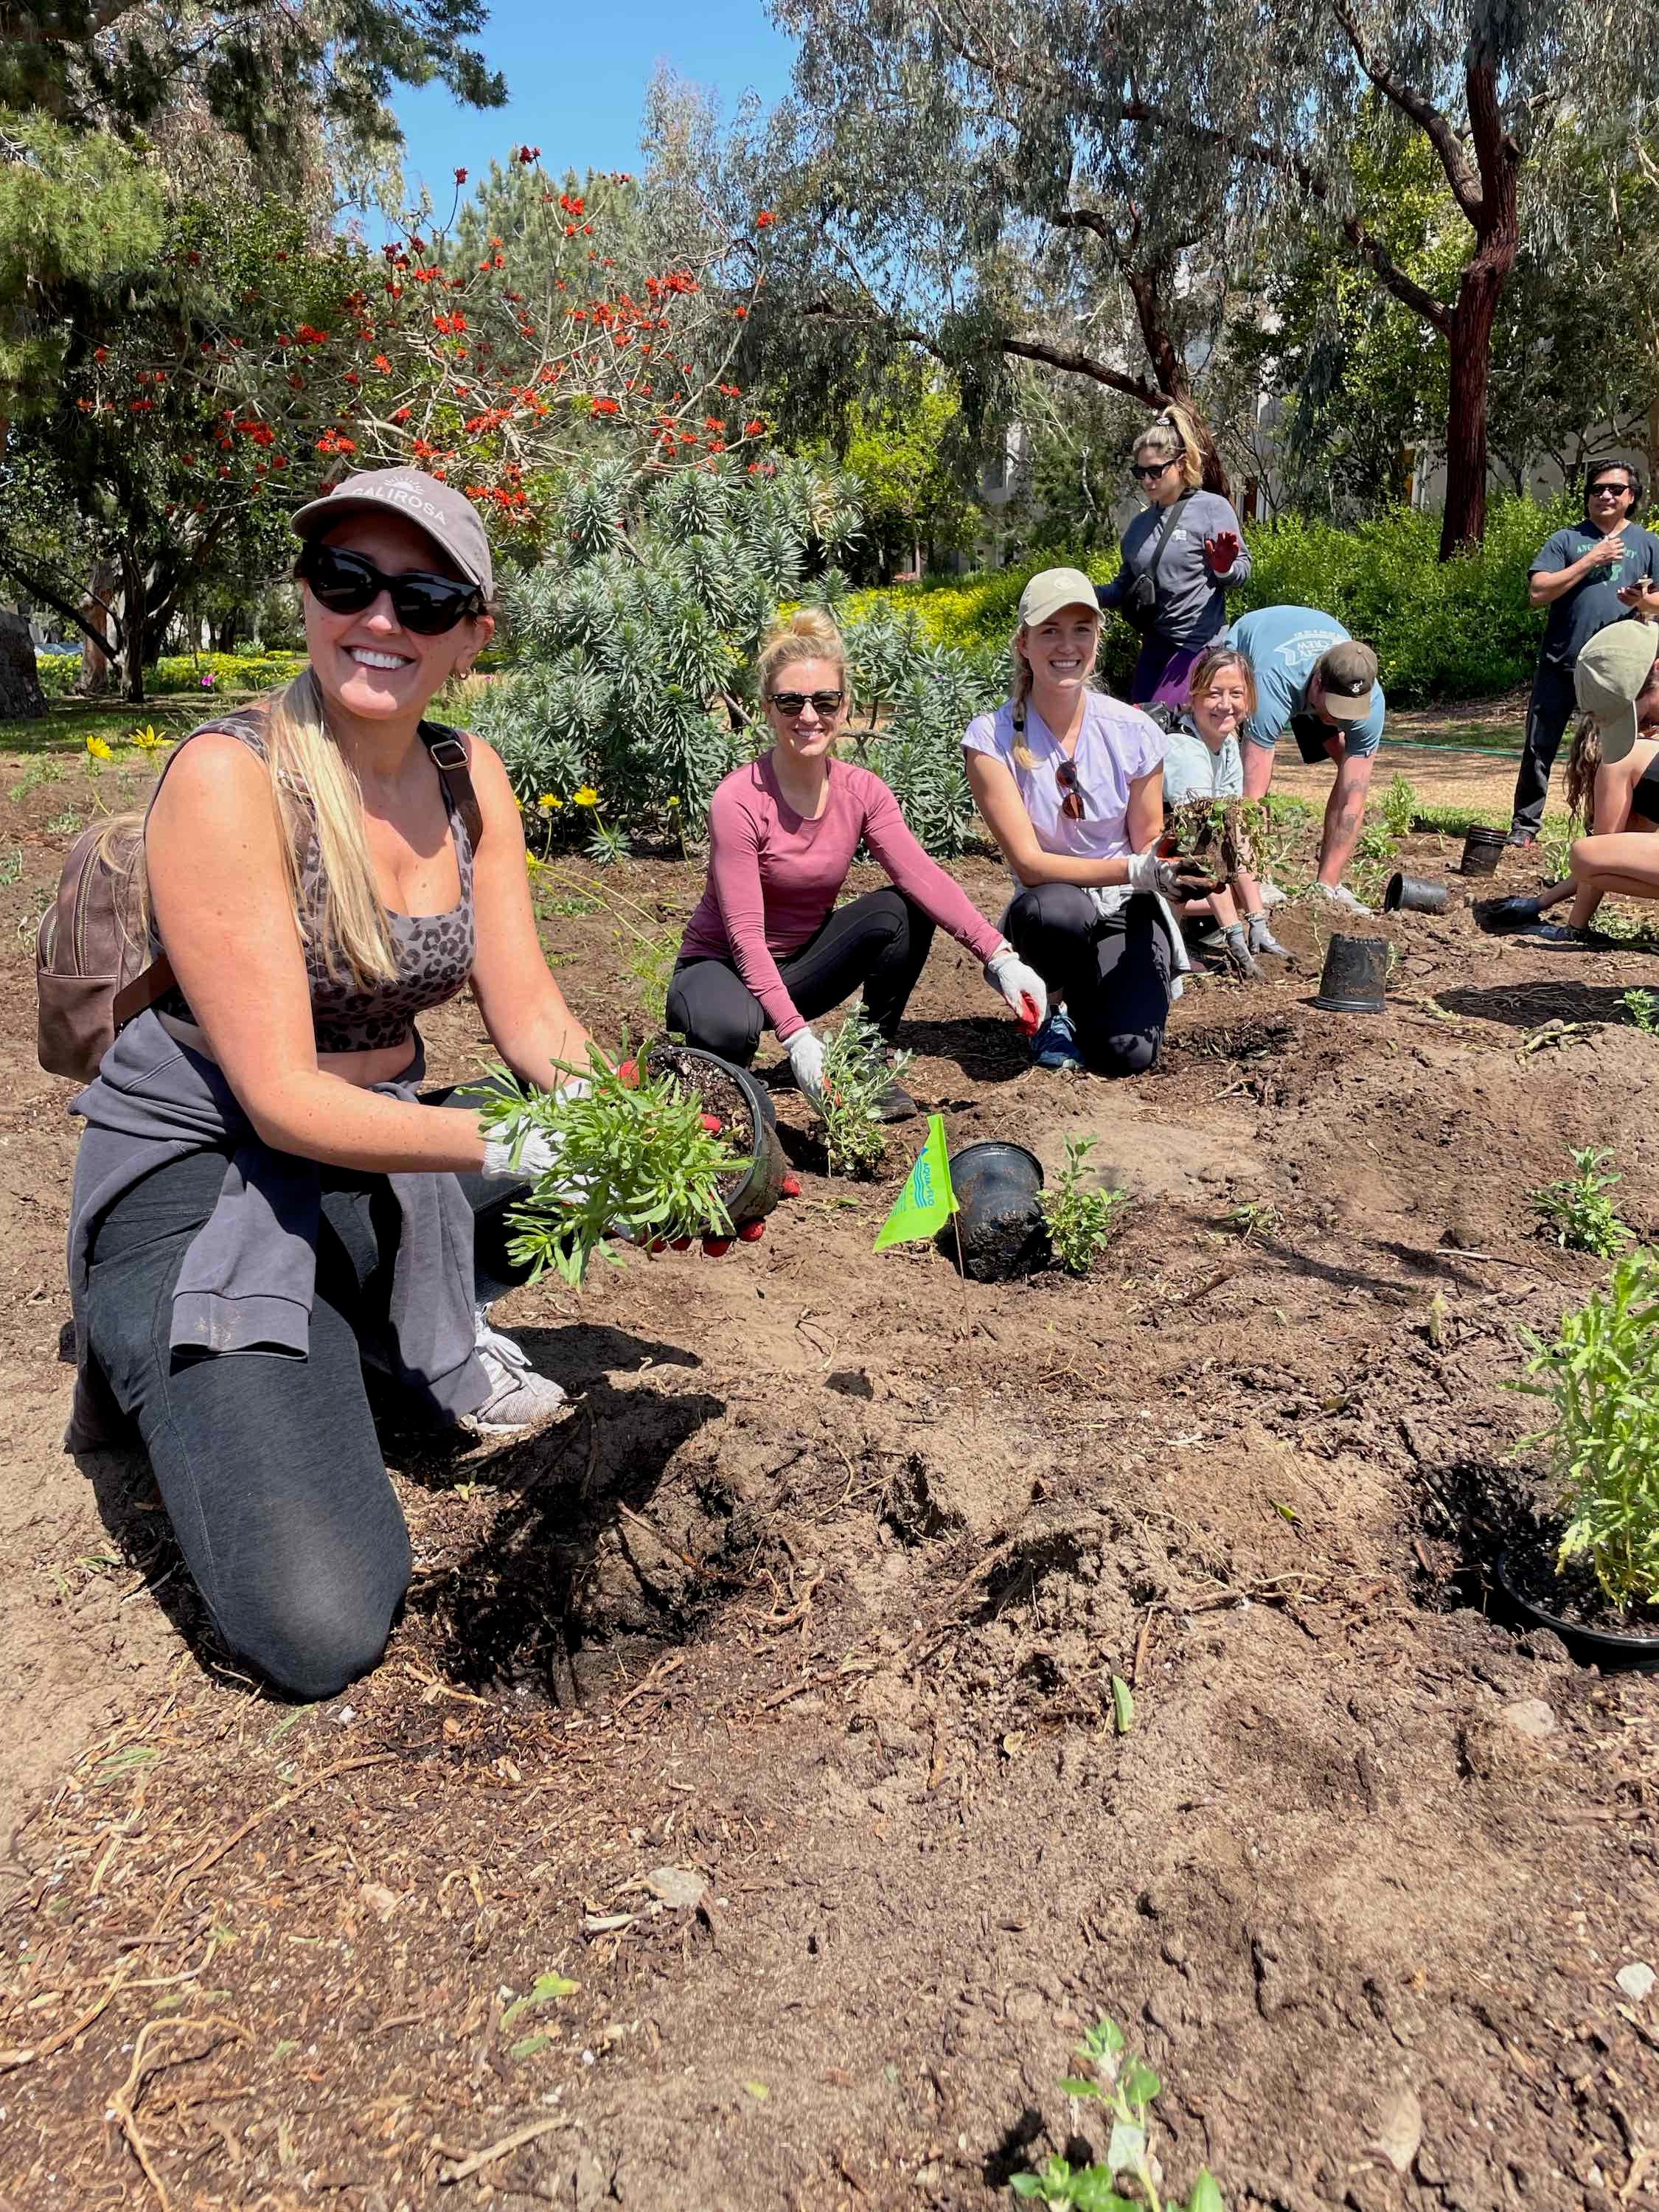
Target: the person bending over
pixel 1313 679
pixel 1070 784
pixel 263 1205
pixel 1202 763
pixel 1179 557
pixel 768 947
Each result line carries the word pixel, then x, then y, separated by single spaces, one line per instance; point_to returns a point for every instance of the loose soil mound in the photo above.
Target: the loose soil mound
pixel 768 1699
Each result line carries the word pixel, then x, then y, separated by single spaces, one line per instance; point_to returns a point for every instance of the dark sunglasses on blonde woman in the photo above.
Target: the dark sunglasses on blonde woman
pixel 823 703
pixel 346 583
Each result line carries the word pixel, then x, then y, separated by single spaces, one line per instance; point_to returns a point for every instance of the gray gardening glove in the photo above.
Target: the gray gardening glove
pixel 1261 939
pixel 1238 955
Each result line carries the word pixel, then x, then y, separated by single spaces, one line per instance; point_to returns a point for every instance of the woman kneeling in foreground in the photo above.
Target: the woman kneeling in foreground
pixel 1070 783
pixel 262 1204
pixel 768 947
pixel 1203 764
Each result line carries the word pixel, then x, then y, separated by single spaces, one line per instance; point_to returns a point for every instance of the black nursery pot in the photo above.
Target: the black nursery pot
pixel 1415 895
pixel 1630 1651
pixel 1355 968
pixel 1482 850
pixel 753 1196
pixel 1000 1223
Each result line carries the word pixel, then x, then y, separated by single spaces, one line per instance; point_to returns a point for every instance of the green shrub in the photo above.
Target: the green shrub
pixel 1578 1211
pixel 59 673
pixel 229 672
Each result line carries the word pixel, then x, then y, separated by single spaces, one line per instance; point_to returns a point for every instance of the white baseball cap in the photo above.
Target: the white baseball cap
pixel 1050 590
pixel 1611 674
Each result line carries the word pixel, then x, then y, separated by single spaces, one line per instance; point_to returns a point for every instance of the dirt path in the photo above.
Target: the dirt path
pixel 818 1598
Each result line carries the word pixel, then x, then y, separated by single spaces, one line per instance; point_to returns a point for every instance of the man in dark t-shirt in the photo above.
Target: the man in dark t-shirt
pixel 1578 575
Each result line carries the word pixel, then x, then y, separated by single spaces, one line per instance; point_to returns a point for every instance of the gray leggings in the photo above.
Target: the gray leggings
pixel 269 1465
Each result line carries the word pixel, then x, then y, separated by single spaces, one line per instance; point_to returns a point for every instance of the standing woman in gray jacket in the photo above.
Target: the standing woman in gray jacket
pixel 1178 559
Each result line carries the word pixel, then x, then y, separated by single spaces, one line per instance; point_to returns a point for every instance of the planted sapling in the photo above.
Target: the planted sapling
pixel 1082 1221
pixel 857 1072
pixel 636 1162
pixel 1642 1008
pixel 1600 1381
pixel 1125 2087
pixel 1577 1211
pixel 1400 804
pixel 1220 833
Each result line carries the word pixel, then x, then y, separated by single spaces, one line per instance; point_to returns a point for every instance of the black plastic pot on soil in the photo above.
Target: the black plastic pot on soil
pixel 1355 968
pixel 1482 850
pixel 1415 895
pixel 748 1121
pixel 1000 1223
pixel 1524 1570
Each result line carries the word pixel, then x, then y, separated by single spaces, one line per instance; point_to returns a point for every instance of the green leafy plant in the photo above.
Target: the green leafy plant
pixel 1223 831
pixel 633 1161
pixel 1253 1217
pixel 1642 1008
pixel 1124 2085
pixel 1600 1380
pixel 1400 805
pixel 857 1070
pixel 1577 1211
pixel 1082 1219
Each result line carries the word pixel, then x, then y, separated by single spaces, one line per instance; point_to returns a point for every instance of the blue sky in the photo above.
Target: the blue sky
pixel 577 79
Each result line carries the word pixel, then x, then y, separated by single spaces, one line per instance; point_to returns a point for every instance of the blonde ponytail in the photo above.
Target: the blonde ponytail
pixel 317 793
pixel 1178 434
pixel 809 633
pixel 1019 690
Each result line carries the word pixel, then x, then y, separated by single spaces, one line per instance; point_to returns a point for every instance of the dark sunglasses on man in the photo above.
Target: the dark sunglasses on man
pixel 823 703
pixel 346 583
pixel 1605 485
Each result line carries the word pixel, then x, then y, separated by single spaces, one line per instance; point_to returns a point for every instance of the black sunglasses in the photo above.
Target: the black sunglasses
pixel 1615 488
pixel 823 703
pixel 345 583
pixel 1147 470
pixel 1072 803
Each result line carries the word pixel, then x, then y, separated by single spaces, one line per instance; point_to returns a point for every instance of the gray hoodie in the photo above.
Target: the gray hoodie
pixel 1192 604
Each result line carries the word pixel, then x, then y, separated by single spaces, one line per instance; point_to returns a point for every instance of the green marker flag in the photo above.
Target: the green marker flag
pixel 926 1201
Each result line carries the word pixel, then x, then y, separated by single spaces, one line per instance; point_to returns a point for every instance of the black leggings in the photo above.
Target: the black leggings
pixel 1113 971
pixel 269 1465
pixel 880 940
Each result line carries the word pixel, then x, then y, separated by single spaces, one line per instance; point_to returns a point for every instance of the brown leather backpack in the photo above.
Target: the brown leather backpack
pixel 93 973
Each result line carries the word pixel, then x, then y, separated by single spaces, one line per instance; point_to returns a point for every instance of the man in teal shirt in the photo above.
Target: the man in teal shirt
pixel 1315 680
pixel 1581 574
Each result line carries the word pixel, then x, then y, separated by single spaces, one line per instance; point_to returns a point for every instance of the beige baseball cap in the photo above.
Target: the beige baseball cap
pixel 1347 674
pixel 1612 672
pixel 445 515
pixel 1050 590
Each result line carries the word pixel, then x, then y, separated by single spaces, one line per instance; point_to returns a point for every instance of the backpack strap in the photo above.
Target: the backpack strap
pixel 146 988
pixel 449 758
pixel 1171 520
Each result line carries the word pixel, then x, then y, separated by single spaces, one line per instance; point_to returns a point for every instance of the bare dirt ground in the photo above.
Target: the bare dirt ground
pixel 817 1598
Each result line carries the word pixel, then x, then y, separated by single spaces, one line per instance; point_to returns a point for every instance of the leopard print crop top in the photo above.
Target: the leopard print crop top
pixel 434 951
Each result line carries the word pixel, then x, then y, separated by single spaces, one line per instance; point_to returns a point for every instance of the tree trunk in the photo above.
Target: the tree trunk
pixel 20 696
pixel 94 661
pixel 1469 344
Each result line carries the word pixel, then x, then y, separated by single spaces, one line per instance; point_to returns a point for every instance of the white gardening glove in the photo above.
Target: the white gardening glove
pixel 1178 879
pixel 525 1156
pixel 1022 986
pixel 806 1058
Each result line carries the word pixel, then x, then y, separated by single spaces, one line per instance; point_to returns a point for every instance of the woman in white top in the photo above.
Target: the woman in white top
pixel 1070 784
pixel 1202 762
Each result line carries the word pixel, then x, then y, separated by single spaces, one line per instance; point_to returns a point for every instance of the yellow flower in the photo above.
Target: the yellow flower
pixel 99 750
pixel 548 801
pixel 586 797
pixel 673 802
pixel 146 739
pixel 532 864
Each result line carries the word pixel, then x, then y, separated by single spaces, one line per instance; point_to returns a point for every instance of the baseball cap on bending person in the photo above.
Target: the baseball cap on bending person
pixel 444 513
pixel 1611 673
pixel 1347 674
pixel 1052 589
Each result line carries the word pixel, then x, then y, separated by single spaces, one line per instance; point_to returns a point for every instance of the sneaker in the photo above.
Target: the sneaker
pixel 1056 1048
pixel 1338 895
pixel 1562 937
pixel 1518 836
pixel 894 1103
pixel 520 1398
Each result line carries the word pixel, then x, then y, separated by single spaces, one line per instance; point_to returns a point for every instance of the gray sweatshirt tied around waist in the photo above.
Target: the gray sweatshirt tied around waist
pixel 249 1275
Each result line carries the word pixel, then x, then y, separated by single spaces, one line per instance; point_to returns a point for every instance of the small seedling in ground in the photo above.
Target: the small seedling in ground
pixel 1577 1211
pixel 1400 804
pixel 1081 1221
pixel 857 1070
pixel 1642 1008
pixel 1252 1218
pixel 634 1160
pixel 1600 1380
pixel 1124 2085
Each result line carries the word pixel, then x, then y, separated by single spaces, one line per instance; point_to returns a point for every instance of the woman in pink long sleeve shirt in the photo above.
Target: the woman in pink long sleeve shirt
pixel 768 947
